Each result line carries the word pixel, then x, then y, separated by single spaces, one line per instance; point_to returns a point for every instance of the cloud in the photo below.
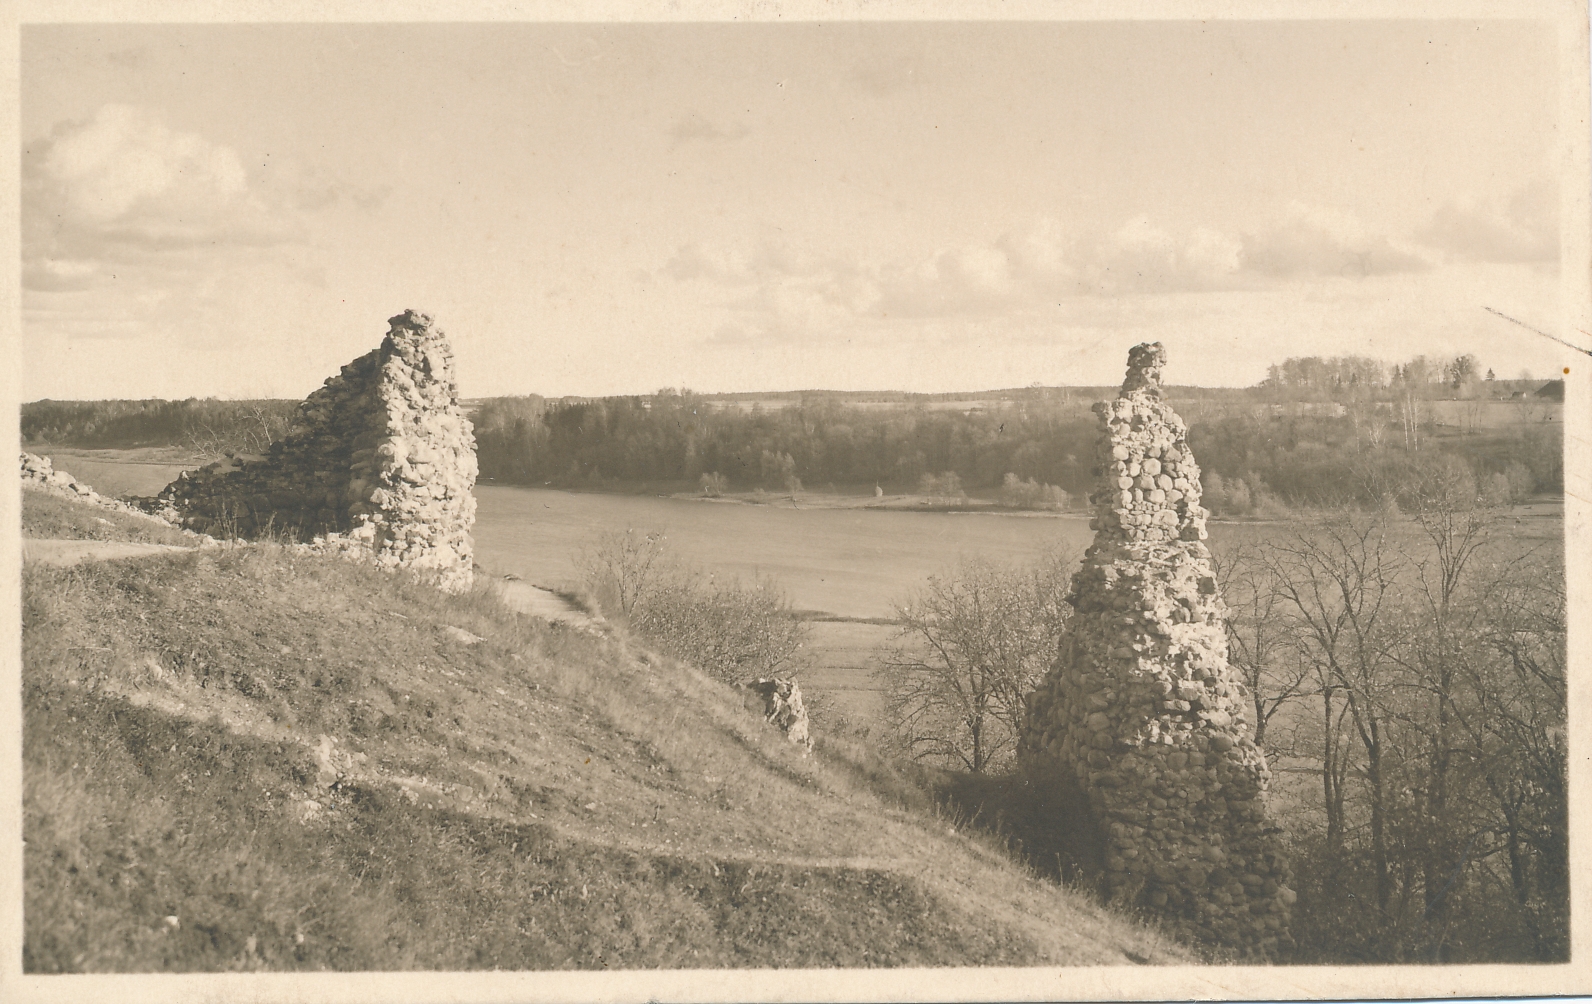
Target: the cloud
pixel 121 192
pixel 971 279
pixel 694 127
pixel 780 291
pixel 1525 228
pixel 122 183
pixel 132 230
pixel 1320 241
pixel 1044 262
pixel 1141 257
pixel 60 274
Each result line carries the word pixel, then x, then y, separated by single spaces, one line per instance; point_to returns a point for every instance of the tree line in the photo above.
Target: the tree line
pixel 1260 455
pixel 206 427
pixel 1317 432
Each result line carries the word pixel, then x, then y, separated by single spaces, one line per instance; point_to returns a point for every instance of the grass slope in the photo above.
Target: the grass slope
pixel 247 759
pixel 50 515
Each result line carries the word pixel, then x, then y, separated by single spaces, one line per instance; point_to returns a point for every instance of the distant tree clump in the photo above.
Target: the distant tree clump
pixel 945 485
pixel 1030 494
pixel 1317 433
pixel 206 427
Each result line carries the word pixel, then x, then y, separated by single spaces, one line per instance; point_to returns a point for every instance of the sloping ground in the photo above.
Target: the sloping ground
pixel 539 601
pixel 70 552
pixel 249 759
pixel 49 514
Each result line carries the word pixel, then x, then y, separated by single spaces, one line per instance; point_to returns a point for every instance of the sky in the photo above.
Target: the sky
pixel 235 210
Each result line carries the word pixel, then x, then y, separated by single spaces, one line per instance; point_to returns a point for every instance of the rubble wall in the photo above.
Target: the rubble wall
pixel 380 458
pixel 1141 706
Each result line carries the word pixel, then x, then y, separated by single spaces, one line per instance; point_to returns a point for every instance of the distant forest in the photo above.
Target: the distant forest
pixel 1317 431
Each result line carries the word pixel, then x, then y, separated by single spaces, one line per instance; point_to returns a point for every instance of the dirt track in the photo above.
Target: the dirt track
pixel 70 552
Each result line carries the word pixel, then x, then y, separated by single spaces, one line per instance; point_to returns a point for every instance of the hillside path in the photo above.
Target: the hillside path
pixel 64 553
pixel 543 603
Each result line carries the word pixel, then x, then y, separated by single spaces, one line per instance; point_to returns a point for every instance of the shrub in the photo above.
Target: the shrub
pixel 713 484
pixel 1031 494
pixel 619 568
pixel 946 484
pixel 728 630
pixel 1521 481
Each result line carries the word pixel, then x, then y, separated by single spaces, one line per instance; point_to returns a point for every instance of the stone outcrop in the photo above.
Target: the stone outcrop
pixel 380 462
pixel 1141 706
pixel 783 708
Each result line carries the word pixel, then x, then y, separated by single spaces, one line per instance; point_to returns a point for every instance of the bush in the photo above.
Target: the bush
pixel 619 568
pixel 1521 481
pixel 946 484
pixel 1240 496
pixel 1031 494
pixel 728 630
pixel 713 484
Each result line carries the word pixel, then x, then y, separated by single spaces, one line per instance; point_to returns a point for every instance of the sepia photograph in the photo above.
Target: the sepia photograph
pixel 797 501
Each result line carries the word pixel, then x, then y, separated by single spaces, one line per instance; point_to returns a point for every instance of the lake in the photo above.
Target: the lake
pixel 848 562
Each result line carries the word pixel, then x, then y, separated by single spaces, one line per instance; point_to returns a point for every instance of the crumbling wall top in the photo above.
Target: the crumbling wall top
pixel 1145 361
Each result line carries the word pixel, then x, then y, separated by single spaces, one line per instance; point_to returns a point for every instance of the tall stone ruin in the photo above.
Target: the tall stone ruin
pixel 379 459
pixel 1141 706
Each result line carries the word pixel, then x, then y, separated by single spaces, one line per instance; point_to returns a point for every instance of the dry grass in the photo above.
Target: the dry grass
pixel 46 514
pixel 543 798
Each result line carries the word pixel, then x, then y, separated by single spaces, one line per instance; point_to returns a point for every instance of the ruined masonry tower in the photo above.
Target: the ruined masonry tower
pixel 380 461
pixel 1141 706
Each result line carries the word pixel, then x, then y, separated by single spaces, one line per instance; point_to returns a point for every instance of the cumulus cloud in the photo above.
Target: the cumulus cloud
pixel 1141 257
pixel 59 275
pixel 124 183
pixel 781 291
pixel 1320 241
pixel 134 230
pixel 1523 228
pixel 121 193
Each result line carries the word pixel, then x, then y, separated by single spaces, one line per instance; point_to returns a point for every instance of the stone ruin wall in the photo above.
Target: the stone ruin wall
pixel 380 459
pixel 782 707
pixel 1141 706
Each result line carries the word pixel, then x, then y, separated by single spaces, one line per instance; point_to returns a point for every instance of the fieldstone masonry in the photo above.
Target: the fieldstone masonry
pixel 783 708
pixel 380 461
pixel 1141 705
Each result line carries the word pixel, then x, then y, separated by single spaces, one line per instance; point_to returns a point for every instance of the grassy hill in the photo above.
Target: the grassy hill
pixel 246 758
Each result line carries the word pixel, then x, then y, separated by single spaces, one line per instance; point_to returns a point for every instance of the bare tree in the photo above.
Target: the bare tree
pixel 726 629
pixel 1337 580
pixel 972 645
pixel 248 429
pixel 619 567
pixel 1260 639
